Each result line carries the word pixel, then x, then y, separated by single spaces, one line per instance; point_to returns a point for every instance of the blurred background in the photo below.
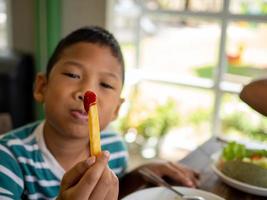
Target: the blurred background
pixel 186 62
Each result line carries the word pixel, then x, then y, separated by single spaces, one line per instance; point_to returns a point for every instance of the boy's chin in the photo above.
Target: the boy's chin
pixel 78 133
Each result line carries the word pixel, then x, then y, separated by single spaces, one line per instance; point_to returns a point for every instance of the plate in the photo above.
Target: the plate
pixel 161 193
pixel 245 187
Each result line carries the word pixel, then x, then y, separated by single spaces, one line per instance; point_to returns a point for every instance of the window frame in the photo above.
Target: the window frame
pixel 217 85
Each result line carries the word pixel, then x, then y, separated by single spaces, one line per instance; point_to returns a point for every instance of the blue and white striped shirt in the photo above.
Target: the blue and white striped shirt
pixel 29 171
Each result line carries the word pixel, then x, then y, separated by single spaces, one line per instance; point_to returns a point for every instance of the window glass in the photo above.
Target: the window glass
pixel 165 4
pixel 125 23
pixel 3 25
pixel 206 5
pixel 240 122
pixel 252 7
pixel 185 48
pixel 192 5
pixel 246 51
pixel 174 110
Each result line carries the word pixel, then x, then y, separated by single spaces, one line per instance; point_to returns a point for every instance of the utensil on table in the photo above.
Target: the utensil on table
pixel 150 175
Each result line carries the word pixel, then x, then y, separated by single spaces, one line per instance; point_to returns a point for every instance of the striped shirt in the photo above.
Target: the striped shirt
pixel 29 171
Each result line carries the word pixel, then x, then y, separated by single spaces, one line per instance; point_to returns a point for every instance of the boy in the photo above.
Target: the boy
pixel 50 159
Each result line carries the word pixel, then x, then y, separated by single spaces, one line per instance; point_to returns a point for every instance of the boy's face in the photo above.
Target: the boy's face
pixel 81 67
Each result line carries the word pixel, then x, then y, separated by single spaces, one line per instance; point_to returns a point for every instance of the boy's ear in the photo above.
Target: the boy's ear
pixel 116 112
pixel 40 87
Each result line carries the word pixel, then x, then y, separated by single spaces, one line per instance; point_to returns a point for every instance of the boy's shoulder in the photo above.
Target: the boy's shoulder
pixel 108 137
pixel 21 135
pixel 108 134
pixel 112 141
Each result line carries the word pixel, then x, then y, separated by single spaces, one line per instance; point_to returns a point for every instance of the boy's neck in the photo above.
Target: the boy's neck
pixel 67 152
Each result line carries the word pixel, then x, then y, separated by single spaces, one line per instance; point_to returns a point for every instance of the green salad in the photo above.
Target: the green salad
pixel 243 164
pixel 235 151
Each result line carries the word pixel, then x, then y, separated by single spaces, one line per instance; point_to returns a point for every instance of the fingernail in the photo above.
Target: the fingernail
pixel 90 160
pixel 106 154
pixel 189 182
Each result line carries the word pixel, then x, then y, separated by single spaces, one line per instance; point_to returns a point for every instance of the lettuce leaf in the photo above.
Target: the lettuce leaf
pixel 235 151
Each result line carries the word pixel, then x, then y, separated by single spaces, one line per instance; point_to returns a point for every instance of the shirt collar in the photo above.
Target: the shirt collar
pixel 51 161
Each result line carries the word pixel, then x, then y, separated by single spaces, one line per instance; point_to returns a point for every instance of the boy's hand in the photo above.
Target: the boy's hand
pixel 174 171
pixel 91 179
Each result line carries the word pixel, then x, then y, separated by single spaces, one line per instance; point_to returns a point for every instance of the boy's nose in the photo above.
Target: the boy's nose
pixel 78 96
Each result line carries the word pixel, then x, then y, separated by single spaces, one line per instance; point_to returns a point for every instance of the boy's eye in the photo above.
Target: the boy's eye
pixel 71 75
pixel 106 85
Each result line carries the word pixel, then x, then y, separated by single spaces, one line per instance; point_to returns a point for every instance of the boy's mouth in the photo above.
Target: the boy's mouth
pixel 80 115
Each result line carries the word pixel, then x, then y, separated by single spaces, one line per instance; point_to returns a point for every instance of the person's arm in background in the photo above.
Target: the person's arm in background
pixel 174 172
pixel 255 95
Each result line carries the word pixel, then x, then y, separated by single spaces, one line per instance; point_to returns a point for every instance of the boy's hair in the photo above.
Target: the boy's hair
pixel 90 34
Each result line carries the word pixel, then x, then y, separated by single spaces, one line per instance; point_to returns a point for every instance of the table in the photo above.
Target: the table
pixel 200 160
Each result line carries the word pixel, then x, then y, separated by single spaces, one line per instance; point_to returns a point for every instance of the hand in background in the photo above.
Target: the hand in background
pixel 91 179
pixel 177 173
pixel 254 94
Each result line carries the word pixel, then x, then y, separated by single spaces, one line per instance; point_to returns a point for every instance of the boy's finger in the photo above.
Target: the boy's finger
pixel 88 182
pixel 113 193
pixel 103 186
pixel 107 187
pixel 74 174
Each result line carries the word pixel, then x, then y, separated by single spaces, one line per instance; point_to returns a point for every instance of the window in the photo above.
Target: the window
pixel 199 53
pixel 3 24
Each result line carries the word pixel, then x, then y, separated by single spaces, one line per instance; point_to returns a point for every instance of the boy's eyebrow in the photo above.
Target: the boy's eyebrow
pixel 70 62
pixel 110 74
pixel 113 75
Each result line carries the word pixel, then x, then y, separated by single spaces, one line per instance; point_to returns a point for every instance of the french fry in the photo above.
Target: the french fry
pixel 90 107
